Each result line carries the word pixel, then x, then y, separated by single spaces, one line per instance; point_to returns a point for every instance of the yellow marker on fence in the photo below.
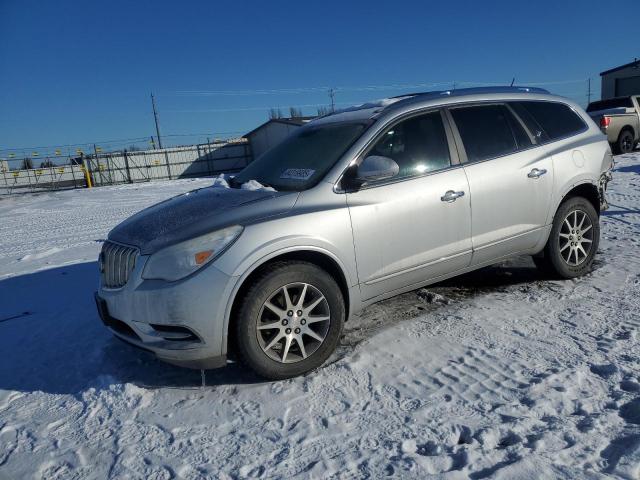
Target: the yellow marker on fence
pixel 35 154
pixel 38 172
pixel 58 152
pixel 16 174
pixel 61 170
pixel 11 155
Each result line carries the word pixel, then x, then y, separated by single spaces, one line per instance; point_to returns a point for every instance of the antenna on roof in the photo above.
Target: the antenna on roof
pixel 513 80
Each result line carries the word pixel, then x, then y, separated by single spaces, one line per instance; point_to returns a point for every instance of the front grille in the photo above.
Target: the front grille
pixel 116 263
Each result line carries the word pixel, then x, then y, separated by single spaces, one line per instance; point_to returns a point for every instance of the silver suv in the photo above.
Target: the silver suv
pixel 356 207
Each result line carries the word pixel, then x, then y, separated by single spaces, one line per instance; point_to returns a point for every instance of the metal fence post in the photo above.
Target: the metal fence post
pixel 166 158
pixel 126 165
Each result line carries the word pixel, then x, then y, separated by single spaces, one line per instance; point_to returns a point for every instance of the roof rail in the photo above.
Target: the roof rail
pixel 475 90
pixel 409 98
pixel 398 101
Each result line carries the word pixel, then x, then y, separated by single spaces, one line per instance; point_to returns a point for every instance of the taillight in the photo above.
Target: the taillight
pixel 605 121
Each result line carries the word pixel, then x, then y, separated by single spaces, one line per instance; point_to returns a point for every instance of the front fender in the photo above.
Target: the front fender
pixel 326 231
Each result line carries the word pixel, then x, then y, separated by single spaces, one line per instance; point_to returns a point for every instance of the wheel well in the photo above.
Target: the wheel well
pixel 588 191
pixel 317 258
pixel 628 128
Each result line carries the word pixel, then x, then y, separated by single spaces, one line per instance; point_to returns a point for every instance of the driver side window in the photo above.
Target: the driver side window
pixel 418 145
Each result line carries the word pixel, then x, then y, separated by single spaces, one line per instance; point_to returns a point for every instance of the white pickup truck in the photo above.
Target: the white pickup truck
pixel 619 120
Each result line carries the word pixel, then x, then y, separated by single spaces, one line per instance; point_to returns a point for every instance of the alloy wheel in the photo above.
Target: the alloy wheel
pixel 575 238
pixel 293 322
pixel 626 142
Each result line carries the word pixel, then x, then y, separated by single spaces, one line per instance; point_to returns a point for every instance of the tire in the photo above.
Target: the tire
pixel 574 211
pixel 625 142
pixel 264 349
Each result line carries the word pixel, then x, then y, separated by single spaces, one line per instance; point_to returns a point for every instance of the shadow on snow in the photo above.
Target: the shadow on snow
pixel 53 341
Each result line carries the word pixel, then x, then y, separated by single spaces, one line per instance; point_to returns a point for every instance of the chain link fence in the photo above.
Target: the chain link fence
pixel 113 168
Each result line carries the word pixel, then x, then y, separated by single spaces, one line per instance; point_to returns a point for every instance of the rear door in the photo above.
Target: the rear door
pixel 407 230
pixel 510 180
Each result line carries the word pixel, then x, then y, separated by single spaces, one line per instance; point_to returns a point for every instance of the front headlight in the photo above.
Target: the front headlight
pixel 178 261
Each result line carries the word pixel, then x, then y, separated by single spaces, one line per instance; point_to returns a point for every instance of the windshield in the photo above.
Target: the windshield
pixel 303 158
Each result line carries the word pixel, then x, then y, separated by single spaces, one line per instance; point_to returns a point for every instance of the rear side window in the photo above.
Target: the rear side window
pixel 485 130
pixel 536 130
pixel 557 120
pixel 522 138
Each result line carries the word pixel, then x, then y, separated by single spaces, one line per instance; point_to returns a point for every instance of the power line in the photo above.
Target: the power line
pixel 320 89
pixel 249 109
pixel 332 92
pixel 120 141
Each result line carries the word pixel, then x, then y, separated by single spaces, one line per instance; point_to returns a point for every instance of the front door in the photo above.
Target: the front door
pixel 417 225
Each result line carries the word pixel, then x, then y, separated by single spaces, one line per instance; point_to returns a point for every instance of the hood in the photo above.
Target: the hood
pixel 196 213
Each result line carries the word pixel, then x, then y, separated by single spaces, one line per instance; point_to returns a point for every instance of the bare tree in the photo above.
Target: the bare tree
pixel 47 163
pixel 275 113
pixel 295 112
pixel 27 163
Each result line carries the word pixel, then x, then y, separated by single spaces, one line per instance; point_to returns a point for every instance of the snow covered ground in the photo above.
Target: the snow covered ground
pixel 497 374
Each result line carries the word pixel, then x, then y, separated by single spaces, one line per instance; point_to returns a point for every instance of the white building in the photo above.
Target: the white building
pixel 621 81
pixel 272 132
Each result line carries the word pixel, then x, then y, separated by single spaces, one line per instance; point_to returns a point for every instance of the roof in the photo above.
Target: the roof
pixel 635 63
pixel 297 121
pixel 372 109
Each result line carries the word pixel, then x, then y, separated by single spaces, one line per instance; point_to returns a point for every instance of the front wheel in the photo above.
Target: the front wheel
pixel 290 320
pixel 573 240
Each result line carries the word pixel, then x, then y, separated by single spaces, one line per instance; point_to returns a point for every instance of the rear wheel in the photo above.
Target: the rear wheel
pixel 573 240
pixel 625 142
pixel 290 320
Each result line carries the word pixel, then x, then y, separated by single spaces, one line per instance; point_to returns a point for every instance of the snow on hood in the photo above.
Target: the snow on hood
pixel 255 185
pixel 198 212
pixel 222 181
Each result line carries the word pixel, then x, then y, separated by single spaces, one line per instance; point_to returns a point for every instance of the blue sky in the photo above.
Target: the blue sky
pixel 80 71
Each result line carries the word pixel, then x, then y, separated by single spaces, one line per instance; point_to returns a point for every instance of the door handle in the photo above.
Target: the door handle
pixel 536 173
pixel 450 196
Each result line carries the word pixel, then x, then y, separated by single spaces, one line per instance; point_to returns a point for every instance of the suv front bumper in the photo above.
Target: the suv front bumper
pixel 181 322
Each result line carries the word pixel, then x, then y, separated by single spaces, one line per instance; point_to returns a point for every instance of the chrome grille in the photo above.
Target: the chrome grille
pixel 116 264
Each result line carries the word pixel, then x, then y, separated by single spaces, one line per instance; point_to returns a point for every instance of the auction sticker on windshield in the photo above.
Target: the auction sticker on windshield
pixel 298 173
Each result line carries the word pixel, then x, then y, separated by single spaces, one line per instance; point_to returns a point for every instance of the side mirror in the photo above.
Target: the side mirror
pixel 376 167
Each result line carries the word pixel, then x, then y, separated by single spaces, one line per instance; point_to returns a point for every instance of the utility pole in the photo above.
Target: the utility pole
pixel 589 91
pixel 332 96
pixel 155 117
